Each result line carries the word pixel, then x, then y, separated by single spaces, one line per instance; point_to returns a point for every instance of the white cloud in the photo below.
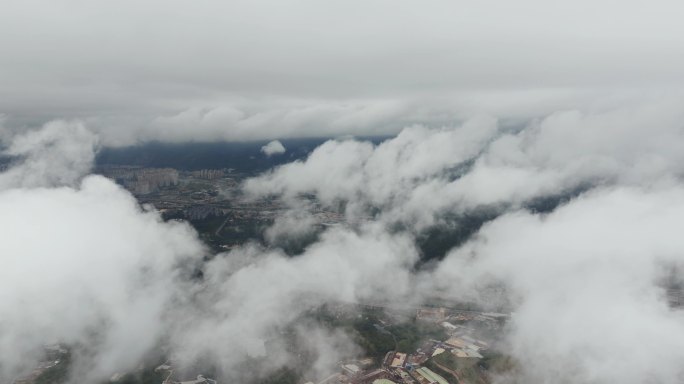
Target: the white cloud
pixel 585 280
pixel 383 176
pixel 82 264
pixel 424 172
pixel 85 265
pixel 59 154
pixel 274 147
pixel 253 294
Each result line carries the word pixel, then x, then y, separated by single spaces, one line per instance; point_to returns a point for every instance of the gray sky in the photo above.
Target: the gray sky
pixel 216 70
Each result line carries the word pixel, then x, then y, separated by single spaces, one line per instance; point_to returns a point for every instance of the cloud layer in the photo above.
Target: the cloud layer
pixel 83 264
pixel 583 280
pixel 173 71
pixel 587 279
pixel 423 173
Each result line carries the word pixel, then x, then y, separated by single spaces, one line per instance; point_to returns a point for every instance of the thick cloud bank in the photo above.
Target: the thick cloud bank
pixel 423 172
pixel 85 265
pixel 59 154
pixel 255 295
pixel 177 71
pixel 584 280
pixel 588 282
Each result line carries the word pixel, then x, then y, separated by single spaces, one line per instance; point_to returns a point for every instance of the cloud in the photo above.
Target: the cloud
pixel 94 270
pixel 244 72
pixel 424 172
pixel 74 275
pixel 381 176
pixel 83 264
pixel 274 147
pixel 58 154
pixel 586 280
pixel 291 227
pixel 255 294
pixel 583 280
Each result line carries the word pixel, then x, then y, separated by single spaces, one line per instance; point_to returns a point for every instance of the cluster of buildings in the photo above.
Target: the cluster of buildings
pixel 169 378
pixel 461 341
pixel 201 212
pixel 467 337
pixel 209 174
pixel 204 194
pixel 462 346
pixel 198 380
pixel 399 368
pixel 396 368
pixel 675 297
pixel 491 320
pixel 36 372
pixel 431 314
pixel 54 356
pixel 142 181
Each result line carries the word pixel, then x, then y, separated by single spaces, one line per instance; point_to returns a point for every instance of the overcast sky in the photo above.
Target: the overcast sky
pixel 218 70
